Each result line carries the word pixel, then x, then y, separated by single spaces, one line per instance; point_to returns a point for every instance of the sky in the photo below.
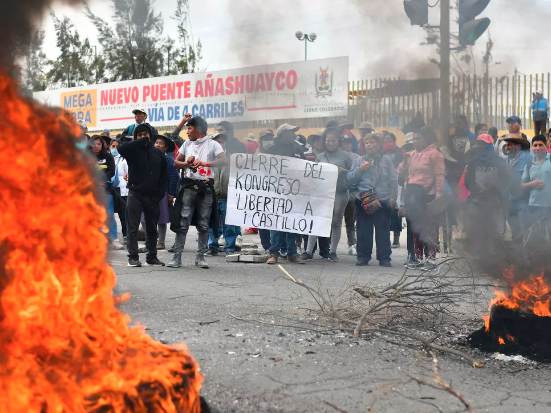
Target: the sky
pixel 375 34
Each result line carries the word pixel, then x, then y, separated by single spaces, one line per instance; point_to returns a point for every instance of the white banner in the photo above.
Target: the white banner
pixel 282 194
pixel 316 88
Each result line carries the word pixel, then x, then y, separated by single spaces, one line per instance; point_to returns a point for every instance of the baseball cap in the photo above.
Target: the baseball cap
pixel 301 140
pixel 347 135
pixel 222 136
pixel 286 127
pixel 366 125
pixel 484 137
pixel 539 92
pixel 250 137
pixel 107 132
pixel 409 138
pixel 514 119
pixel 139 110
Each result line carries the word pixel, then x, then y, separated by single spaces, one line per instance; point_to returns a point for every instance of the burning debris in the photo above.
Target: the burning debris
pixel 519 322
pixel 64 346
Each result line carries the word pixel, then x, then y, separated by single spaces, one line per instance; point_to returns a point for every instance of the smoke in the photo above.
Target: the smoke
pixel 18 21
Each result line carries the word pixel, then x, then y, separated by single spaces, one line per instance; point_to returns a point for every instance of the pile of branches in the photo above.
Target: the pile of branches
pixel 417 302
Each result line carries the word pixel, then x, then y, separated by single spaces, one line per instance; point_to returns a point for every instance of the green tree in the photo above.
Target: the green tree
pixel 132 48
pixel 77 63
pixel 186 55
pixel 34 64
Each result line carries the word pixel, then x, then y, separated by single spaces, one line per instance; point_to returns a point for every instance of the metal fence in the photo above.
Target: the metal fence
pixel 394 102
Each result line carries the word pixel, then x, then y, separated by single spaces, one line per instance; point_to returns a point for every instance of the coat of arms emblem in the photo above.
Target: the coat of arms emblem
pixel 324 82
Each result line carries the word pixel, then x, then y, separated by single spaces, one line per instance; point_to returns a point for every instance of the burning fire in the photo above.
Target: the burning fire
pixel 64 346
pixel 532 294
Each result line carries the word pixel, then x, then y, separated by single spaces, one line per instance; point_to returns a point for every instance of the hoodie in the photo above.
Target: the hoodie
pixel 425 168
pixel 147 167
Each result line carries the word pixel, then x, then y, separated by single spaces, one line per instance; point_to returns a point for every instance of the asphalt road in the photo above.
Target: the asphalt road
pixel 255 367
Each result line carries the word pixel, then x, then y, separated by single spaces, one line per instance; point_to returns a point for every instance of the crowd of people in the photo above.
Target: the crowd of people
pixel 496 184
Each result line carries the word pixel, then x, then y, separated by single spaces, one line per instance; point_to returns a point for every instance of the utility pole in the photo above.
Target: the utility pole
pixel 445 109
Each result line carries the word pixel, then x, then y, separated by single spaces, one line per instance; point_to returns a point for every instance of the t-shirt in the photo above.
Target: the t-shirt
pixel 458 145
pixel 542 172
pixel 205 150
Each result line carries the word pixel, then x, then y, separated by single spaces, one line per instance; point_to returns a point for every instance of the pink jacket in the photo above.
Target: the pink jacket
pixel 425 168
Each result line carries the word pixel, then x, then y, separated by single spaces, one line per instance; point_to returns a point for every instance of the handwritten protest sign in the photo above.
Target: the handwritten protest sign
pixel 281 194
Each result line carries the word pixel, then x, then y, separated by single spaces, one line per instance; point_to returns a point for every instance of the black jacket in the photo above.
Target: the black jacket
pixel 234 145
pixel 147 168
pixel 286 149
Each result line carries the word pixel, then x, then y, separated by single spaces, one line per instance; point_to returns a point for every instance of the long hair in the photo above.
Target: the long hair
pixel 332 131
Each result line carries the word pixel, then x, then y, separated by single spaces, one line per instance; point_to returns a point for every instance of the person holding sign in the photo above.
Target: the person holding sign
pixel 196 199
pixel 285 146
pixel 336 156
pixel 375 177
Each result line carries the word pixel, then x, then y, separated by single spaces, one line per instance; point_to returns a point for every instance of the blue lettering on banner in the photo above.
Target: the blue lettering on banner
pixel 207 111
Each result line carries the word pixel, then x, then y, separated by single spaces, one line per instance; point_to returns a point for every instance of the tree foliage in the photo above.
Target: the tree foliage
pixel 34 63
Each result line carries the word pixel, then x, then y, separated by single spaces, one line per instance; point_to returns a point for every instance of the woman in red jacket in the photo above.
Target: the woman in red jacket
pixel 423 172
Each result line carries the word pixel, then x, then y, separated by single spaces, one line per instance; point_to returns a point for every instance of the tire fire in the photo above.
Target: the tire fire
pixel 64 346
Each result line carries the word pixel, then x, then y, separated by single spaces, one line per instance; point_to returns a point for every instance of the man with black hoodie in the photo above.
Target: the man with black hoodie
pixel 147 184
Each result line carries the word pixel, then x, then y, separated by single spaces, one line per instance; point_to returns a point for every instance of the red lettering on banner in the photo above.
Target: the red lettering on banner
pixel 239 83
pixel 146 92
pixel 199 89
pixel 155 93
pixel 209 86
pixel 187 90
pixel 292 79
pixel 178 87
pixel 280 77
pixel 119 96
pixel 135 94
pixel 270 80
pixel 260 84
pixel 229 85
pixel 249 86
pixel 104 97
pixel 219 87
pixel 163 91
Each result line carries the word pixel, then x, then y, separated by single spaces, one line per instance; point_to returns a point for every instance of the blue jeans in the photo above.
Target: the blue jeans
pixel 283 247
pixel 111 223
pixel 380 220
pixel 265 238
pixel 278 241
pixel 229 231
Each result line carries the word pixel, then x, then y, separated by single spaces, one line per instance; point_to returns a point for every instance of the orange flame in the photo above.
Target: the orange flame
pixel 64 346
pixel 501 341
pixel 532 294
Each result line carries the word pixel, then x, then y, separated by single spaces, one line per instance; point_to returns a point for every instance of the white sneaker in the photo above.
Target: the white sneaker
pixel 239 241
pixel 352 250
pixel 116 245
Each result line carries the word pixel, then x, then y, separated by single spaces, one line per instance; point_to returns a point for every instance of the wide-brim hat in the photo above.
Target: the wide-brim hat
pixel 106 139
pixel 366 125
pixel 170 146
pixel 345 124
pixel 525 143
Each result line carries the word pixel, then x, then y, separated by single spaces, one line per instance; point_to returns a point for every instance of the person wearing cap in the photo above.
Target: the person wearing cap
pixel 196 201
pixel 514 126
pixel 518 155
pixel 285 145
pixel 365 129
pixel 140 116
pixel 536 179
pixel 424 173
pixel 82 139
pixel 540 113
pixel 346 126
pixel 374 175
pixel 147 184
pixel 251 145
pixel 316 146
pixel 265 140
pixel 490 181
pixel 350 210
pixel 106 132
pixel 333 155
pixel 221 184
pixel 460 140
pixel 302 143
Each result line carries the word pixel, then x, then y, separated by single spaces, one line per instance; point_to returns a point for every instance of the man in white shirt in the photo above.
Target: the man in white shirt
pixel 197 157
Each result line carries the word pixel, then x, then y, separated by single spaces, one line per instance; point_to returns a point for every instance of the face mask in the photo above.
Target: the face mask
pixel 81 145
pixel 267 144
pixel 392 156
pixel 114 152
